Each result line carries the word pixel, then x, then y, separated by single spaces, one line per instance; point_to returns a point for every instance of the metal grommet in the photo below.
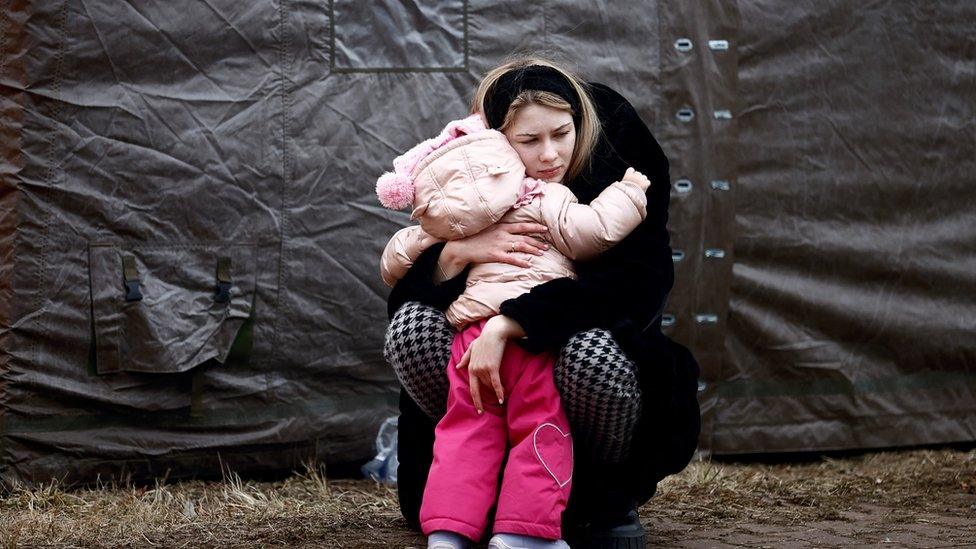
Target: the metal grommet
pixel 706 318
pixel 718 45
pixel 677 255
pixel 720 185
pixel 701 385
pixel 683 185
pixel 717 253
pixel 685 114
pixel 667 319
pixel 683 44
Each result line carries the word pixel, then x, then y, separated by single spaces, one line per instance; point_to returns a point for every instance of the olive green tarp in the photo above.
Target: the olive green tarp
pixel 823 159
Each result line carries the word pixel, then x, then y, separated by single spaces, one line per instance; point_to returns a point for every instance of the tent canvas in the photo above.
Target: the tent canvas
pixel 822 159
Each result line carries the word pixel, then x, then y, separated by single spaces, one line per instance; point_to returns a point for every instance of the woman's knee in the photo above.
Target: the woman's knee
pixel 592 367
pixel 416 332
pixel 418 347
pixel 601 394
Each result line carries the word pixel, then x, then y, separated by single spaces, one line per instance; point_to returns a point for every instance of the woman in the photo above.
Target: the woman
pixel 629 392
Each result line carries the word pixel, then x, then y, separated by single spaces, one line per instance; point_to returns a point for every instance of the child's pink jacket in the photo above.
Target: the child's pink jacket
pixel 477 180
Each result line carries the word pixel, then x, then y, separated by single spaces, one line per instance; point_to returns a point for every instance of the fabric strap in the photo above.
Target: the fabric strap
pixel 130 278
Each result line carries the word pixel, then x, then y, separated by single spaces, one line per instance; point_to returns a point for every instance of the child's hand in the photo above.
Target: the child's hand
pixel 637 178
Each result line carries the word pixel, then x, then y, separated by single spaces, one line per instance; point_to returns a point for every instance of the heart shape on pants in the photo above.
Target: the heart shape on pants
pixel 555 451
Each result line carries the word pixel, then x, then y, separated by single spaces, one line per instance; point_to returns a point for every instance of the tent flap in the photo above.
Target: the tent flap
pixel 168 307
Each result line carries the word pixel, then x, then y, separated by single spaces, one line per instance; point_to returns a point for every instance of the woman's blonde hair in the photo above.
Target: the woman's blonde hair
pixel 588 132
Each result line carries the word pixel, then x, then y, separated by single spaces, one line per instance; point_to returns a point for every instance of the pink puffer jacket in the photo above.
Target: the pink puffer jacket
pixel 477 180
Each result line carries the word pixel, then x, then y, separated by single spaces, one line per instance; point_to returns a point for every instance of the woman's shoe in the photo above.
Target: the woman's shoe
pixel 516 541
pixel 627 533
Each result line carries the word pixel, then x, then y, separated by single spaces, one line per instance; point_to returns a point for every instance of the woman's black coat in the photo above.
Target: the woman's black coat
pixel 623 290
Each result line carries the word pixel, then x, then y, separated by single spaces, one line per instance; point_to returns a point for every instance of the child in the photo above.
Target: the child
pixel 459 183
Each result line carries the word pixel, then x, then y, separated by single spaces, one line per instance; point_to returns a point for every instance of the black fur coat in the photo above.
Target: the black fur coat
pixel 623 290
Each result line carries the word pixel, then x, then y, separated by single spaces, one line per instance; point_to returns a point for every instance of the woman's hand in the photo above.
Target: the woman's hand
pixel 496 244
pixel 483 358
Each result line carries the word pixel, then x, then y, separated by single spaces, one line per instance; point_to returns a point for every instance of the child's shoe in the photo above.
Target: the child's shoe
pixel 445 539
pixel 516 541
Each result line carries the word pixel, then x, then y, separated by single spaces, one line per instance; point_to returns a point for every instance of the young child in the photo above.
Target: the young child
pixel 459 183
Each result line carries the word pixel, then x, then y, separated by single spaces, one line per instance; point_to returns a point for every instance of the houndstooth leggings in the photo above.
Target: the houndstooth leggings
pixel 597 382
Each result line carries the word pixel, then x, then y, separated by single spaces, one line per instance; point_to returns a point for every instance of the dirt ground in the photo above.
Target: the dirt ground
pixel 919 498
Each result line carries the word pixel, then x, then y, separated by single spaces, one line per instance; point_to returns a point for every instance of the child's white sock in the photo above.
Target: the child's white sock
pixel 517 541
pixel 445 539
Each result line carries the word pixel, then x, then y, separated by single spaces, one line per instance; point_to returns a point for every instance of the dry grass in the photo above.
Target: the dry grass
pixel 710 493
pixel 309 510
pixel 305 509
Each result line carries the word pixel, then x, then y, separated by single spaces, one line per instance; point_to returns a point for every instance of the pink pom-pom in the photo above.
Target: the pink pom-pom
pixel 394 190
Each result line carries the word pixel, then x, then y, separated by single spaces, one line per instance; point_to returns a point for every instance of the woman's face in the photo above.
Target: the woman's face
pixel 544 138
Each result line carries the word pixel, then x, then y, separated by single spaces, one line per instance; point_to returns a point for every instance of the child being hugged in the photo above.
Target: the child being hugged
pixel 459 183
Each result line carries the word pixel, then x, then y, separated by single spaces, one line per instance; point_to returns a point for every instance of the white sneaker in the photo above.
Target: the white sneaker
pixel 516 541
pixel 444 539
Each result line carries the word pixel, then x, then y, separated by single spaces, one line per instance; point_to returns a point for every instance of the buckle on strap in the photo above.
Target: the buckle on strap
pixel 223 280
pixel 130 277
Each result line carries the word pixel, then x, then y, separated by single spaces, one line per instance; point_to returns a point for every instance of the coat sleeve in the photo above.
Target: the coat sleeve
pixel 402 251
pixel 628 284
pixel 583 231
pixel 418 283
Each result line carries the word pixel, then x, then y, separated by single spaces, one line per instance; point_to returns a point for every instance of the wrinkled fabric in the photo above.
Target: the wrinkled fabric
pixel 839 315
pixel 531 189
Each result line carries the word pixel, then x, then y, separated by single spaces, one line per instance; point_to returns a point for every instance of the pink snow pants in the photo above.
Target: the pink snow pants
pixel 469 449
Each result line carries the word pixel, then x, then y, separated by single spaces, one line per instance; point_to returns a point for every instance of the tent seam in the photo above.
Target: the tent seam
pixel 283 48
pixel 4 332
pixel 45 192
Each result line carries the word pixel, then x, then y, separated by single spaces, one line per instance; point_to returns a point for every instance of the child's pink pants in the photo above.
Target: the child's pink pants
pixel 469 449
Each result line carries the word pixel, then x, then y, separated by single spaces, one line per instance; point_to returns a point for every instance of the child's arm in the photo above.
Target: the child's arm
pixel 401 251
pixel 582 232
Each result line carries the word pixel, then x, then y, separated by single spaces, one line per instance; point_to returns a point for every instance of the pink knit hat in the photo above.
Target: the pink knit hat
pixel 396 189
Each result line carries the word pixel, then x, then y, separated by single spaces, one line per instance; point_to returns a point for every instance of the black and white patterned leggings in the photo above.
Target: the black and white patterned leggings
pixel 597 382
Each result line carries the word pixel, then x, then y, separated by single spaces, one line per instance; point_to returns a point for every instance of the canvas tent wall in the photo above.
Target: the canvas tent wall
pixel 822 155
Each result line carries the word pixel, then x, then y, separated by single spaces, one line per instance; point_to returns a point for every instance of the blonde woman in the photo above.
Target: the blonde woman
pixel 628 391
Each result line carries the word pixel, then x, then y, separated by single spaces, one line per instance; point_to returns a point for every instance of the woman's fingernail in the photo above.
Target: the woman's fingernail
pixel 480 412
pixel 500 401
